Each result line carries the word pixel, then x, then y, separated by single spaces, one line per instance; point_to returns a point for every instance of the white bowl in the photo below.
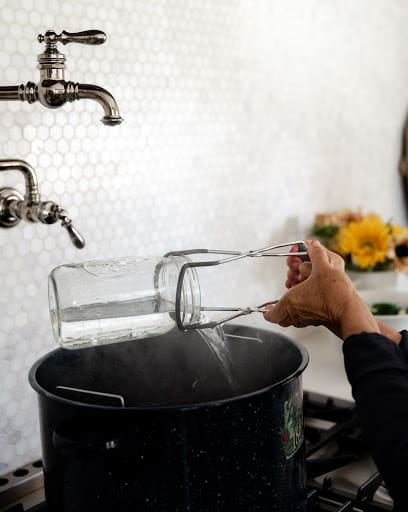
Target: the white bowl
pixel 396 296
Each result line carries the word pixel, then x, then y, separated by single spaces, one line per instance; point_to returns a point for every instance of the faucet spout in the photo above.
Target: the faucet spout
pixel 53 91
pixel 104 98
pixel 9 93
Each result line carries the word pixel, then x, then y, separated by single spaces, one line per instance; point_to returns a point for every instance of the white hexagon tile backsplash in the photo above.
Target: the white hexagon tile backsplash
pixel 233 122
pixel 137 189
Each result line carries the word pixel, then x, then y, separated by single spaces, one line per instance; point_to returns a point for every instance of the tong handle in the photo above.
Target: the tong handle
pixel 301 252
pixel 233 255
pixel 236 255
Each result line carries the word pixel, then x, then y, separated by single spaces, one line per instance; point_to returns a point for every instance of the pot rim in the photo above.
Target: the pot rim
pixel 212 403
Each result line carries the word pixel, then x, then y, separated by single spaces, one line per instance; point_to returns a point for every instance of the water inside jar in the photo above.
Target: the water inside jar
pixel 113 322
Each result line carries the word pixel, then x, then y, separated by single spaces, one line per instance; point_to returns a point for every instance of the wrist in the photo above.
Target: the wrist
pixel 389 332
pixel 357 318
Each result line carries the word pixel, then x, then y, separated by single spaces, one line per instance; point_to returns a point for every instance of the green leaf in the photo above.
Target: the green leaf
pixel 325 231
pixel 386 308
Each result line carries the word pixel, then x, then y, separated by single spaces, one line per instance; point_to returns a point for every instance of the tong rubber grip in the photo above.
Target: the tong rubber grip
pixel 302 247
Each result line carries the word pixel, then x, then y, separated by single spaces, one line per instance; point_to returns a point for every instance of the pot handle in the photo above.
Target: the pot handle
pixel 91 442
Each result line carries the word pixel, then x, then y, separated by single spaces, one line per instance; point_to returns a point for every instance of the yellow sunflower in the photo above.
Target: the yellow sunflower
pixel 366 241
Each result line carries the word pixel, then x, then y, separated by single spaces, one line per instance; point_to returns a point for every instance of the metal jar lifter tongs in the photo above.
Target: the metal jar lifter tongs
pixel 232 256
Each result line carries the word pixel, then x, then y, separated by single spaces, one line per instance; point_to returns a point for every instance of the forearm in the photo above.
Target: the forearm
pixel 356 318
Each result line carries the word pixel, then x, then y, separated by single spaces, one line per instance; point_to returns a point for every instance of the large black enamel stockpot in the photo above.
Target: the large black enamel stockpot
pixel 185 439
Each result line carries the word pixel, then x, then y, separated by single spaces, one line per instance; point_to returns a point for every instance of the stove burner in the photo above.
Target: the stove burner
pixel 342 477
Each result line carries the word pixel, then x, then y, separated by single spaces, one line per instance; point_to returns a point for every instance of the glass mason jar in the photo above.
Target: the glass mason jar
pixel 109 301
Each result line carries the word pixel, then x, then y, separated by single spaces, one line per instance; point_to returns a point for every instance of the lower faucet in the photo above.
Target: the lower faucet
pixel 15 207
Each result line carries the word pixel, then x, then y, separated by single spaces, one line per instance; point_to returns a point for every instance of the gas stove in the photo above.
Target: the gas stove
pixel 342 475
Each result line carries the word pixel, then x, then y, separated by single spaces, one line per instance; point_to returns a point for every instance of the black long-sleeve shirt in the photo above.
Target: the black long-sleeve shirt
pixel 377 369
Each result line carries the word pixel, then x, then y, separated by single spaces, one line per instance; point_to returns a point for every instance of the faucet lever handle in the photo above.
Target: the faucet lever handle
pixel 84 37
pixel 58 213
pixel 76 238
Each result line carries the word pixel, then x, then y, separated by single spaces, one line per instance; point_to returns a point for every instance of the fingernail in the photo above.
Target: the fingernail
pixel 316 243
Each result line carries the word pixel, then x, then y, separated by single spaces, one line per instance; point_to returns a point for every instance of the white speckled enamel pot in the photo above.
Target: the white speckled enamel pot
pixel 181 437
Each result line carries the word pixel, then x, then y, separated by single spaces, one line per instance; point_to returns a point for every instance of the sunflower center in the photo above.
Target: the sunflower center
pixel 367 244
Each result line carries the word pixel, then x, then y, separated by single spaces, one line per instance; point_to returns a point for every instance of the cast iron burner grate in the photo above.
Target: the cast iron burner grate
pixel 342 475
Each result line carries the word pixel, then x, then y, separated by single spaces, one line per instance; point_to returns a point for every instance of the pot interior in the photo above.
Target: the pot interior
pixel 175 369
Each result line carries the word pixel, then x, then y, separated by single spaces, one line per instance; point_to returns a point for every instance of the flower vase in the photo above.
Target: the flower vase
pixel 380 279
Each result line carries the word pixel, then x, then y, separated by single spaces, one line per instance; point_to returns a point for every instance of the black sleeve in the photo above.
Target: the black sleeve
pixel 404 344
pixel 377 370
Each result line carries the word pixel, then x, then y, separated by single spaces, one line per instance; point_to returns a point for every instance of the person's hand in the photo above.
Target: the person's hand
pixel 321 293
pixel 298 271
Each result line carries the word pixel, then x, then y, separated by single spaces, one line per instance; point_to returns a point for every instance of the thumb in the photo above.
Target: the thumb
pixel 317 254
pixel 276 314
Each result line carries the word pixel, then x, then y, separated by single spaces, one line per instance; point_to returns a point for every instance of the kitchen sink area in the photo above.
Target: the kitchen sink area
pixel 131 133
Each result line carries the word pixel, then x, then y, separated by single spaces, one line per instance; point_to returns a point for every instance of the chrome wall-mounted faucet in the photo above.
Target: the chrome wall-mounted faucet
pixel 15 207
pixel 53 90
